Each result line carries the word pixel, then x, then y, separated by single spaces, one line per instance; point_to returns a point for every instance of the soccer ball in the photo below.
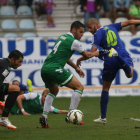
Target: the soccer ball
pixel 75 116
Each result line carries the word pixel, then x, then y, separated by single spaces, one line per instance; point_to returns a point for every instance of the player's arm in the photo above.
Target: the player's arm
pixel 77 69
pixel 62 111
pixel 20 98
pixel 71 64
pixel 129 22
pixel 86 55
pixel 57 111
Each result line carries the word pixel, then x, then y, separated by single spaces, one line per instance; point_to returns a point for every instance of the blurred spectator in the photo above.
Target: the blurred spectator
pixel 28 1
pixel 1 2
pixel 106 6
pixel 40 8
pixel 120 5
pixel 49 11
pixel 91 8
pixel 134 13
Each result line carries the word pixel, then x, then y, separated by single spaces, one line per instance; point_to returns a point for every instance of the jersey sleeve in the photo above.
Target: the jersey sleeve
pixel 76 46
pixel 54 110
pixel 30 96
pixel 117 26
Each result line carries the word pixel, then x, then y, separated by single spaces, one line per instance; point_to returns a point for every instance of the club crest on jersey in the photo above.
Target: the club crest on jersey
pixel 5 73
pixel 59 70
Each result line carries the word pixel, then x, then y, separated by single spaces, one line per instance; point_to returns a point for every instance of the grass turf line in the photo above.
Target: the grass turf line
pixel 118 127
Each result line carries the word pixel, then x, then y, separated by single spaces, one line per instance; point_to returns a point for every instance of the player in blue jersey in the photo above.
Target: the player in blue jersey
pixel 24 88
pixel 107 37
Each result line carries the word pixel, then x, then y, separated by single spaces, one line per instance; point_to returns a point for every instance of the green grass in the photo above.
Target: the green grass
pixel 118 127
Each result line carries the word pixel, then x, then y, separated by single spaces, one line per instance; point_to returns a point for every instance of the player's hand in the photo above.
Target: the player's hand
pixel 78 63
pixel 25 113
pixel 80 72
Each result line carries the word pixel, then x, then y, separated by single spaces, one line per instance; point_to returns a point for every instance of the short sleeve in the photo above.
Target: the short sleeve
pixel 30 96
pixel 53 110
pixel 77 46
pixel 117 26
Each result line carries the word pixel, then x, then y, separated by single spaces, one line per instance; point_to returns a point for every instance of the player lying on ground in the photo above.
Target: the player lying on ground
pixel 31 103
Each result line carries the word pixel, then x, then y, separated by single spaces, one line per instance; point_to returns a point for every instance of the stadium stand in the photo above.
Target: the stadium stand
pixel 125 33
pixel 78 10
pixel 105 21
pixel 10 35
pixel 8 24
pixel 138 33
pixel 64 14
pixel 26 24
pixel 24 11
pixel 7 11
pixel 28 35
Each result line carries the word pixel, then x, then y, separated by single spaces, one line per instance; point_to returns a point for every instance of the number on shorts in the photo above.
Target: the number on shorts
pixel 56 46
pixel 111 38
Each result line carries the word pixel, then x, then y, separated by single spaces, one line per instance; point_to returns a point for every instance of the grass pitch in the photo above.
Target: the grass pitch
pixel 119 125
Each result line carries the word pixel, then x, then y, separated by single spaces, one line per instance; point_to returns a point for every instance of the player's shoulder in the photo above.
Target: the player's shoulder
pixel 76 42
pixel 99 31
pixel 30 94
pixel 4 61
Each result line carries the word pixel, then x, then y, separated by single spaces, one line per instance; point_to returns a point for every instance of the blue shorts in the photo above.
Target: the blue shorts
pixel 48 12
pixel 111 66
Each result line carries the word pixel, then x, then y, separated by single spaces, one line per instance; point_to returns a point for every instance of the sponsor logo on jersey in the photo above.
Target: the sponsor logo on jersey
pixel 5 73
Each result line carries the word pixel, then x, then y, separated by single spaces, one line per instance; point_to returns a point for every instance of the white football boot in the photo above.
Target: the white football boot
pixel 100 120
pixel 113 53
pixel 7 123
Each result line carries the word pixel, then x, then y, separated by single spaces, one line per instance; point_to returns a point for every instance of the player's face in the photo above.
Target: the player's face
pixel 79 33
pixel 137 2
pixel 44 97
pixel 15 83
pixel 91 28
pixel 16 63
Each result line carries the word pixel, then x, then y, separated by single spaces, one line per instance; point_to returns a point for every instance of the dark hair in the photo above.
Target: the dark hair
pixel 16 54
pixel 14 81
pixel 77 25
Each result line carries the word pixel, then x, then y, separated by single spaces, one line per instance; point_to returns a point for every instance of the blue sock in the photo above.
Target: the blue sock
pixel 124 65
pixel 103 103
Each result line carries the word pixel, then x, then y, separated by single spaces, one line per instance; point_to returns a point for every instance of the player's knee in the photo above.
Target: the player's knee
pixel 129 75
pixel 16 88
pixel 81 87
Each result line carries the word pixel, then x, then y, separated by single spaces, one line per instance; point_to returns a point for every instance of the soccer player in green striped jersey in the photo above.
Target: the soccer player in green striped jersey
pixel 54 74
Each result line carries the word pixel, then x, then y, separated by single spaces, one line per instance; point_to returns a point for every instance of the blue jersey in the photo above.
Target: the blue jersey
pixel 107 37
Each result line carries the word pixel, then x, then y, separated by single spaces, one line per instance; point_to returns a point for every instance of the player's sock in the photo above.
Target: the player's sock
pixel 11 99
pixel 124 64
pixel 75 99
pixel 72 102
pixel 103 103
pixel 48 103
